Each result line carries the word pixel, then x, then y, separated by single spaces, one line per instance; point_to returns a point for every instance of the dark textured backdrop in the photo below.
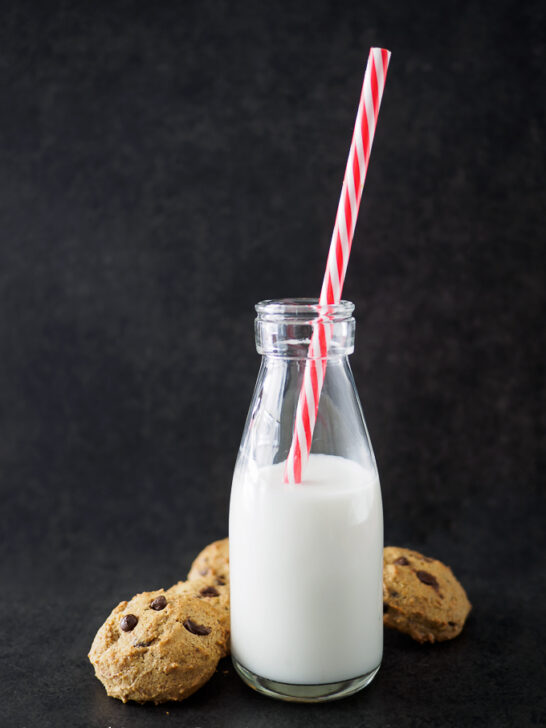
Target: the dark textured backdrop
pixel 163 167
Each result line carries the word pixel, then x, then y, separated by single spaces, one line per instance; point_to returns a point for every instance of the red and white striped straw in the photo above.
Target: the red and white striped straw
pixel 338 257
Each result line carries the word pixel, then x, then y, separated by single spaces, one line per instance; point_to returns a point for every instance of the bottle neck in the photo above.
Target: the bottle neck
pixel 300 329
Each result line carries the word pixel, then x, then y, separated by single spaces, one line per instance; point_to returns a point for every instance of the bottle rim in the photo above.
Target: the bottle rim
pixel 302 309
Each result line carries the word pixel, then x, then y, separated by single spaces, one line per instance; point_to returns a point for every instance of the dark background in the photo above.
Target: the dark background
pixel 166 165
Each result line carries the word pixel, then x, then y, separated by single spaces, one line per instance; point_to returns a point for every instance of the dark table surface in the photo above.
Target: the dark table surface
pixel 165 166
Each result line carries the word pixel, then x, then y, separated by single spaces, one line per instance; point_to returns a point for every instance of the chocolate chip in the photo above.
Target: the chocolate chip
pixel 194 628
pixel 427 578
pixel 142 644
pixel 159 603
pixel 385 608
pixel 204 572
pixel 451 624
pixel 402 561
pixel 128 623
pixel 393 593
pixel 221 581
pixel 209 591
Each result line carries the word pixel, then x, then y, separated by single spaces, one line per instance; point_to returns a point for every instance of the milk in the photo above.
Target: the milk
pixel 306 571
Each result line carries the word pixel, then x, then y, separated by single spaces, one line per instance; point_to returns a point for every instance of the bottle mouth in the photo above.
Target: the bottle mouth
pixel 301 310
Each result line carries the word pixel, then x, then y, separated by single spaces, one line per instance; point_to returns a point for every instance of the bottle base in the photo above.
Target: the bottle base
pixel 303 693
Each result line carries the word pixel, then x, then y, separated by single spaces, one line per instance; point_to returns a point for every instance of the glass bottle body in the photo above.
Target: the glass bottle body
pixel 305 559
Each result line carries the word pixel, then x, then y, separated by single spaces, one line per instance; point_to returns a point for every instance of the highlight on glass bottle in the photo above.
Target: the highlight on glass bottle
pixel 305 558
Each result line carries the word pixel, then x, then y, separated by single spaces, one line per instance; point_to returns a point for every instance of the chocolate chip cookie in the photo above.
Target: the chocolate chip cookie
pixel 212 564
pixel 421 596
pixel 159 646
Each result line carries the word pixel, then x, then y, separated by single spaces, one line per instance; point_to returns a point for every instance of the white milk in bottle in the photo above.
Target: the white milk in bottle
pixel 306 563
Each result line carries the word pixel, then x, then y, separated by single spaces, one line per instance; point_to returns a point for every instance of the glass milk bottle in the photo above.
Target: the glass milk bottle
pixel 305 559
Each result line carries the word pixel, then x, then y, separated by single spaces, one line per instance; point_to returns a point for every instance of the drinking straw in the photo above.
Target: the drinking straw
pixel 338 257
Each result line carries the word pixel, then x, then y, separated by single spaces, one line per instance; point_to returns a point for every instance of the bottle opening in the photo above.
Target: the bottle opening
pixel 302 309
